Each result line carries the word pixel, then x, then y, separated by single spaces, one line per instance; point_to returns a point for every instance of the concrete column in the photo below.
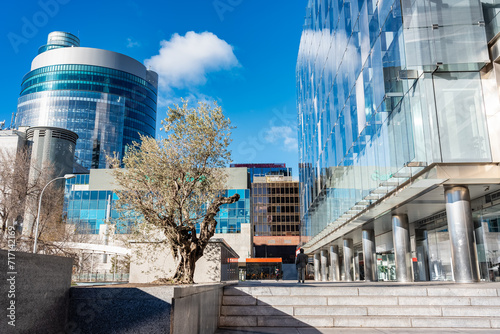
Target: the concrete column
pixel 334 263
pixel 369 255
pixel 402 247
pixel 348 260
pixel 317 266
pixel 461 229
pixel 324 265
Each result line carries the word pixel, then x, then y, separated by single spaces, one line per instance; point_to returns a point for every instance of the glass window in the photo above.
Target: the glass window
pixel 461 117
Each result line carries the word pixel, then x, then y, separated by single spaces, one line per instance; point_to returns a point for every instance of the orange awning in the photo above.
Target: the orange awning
pixel 262 259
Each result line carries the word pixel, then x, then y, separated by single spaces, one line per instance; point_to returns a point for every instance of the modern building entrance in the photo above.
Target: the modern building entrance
pixel 386 266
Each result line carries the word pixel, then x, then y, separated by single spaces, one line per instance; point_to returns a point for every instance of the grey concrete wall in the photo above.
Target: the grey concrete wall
pixel 148 264
pixel 188 309
pixel 115 309
pixel 41 287
pixel 213 265
pixel 196 309
pixel 102 179
pixel 237 178
pixel 240 242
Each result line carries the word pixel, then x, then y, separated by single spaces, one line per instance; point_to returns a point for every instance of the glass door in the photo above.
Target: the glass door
pixel 386 267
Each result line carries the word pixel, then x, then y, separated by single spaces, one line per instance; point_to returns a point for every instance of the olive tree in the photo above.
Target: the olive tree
pixel 176 182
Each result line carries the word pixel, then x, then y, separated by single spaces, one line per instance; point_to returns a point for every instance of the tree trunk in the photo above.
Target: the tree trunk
pixel 185 270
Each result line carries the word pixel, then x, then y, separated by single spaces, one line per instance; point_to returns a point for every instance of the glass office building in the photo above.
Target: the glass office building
pixel 399 138
pixel 107 98
pixel 276 207
pixel 87 208
pixel 87 197
pixel 231 216
pixel 276 217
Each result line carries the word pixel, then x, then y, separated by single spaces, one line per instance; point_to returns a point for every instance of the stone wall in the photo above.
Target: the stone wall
pixel 151 261
pixel 36 289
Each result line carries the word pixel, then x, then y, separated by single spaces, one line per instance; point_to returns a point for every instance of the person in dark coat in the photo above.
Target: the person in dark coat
pixel 301 264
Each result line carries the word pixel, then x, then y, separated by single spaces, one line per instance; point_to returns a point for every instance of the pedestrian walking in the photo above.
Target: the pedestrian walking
pixel 301 264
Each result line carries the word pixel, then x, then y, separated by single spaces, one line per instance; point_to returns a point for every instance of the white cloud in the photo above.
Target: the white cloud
pixel 184 61
pixel 131 43
pixel 285 134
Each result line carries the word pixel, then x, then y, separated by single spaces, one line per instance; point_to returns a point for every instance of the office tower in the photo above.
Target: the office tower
pixel 106 98
pixel 399 138
pixel 275 210
pixel 276 217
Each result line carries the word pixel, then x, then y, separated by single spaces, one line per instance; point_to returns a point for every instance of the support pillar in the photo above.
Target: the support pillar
pixel 370 255
pixel 334 263
pixel 461 229
pixel 317 266
pixel 324 265
pixel 402 247
pixel 348 252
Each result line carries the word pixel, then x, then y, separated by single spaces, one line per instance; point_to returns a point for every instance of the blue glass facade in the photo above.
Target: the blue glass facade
pixel 87 208
pixel 386 88
pixel 231 216
pixel 108 108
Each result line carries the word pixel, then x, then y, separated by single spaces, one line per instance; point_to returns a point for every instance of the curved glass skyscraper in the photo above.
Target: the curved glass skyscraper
pixel 107 98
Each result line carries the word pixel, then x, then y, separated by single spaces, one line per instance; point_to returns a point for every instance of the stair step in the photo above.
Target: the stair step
pixel 410 311
pixel 256 310
pixel 357 321
pixel 275 321
pixel 362 291
pixel 462 307
pixel 360 300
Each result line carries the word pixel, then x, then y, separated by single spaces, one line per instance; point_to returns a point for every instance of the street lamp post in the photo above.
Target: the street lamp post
pixel 67 176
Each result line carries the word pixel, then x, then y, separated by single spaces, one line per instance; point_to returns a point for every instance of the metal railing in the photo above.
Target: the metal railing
pixel 100 276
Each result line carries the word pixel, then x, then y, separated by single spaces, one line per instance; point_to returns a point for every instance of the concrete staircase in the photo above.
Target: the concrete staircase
pixel 352 305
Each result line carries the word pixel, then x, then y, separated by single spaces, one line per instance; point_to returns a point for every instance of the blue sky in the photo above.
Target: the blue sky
pixel 241 53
